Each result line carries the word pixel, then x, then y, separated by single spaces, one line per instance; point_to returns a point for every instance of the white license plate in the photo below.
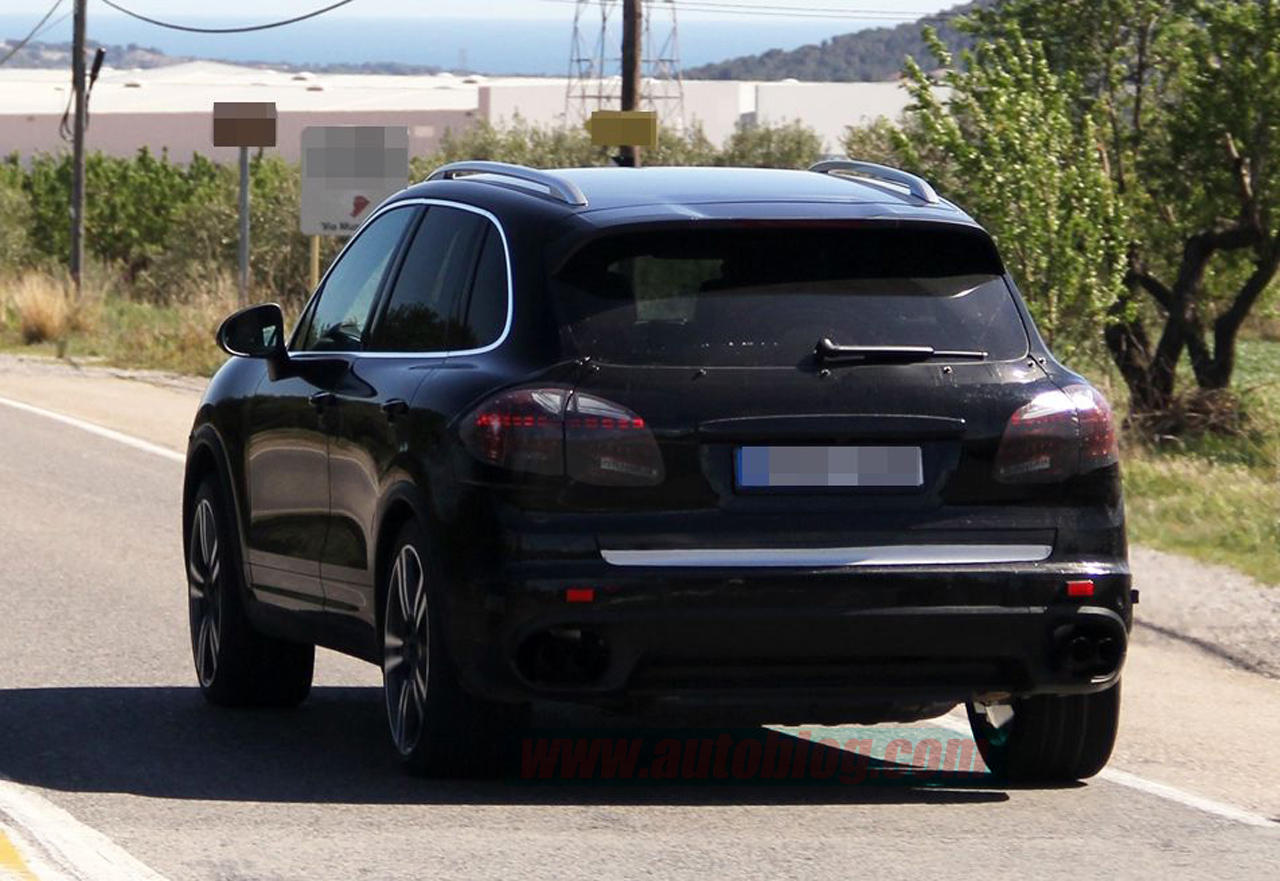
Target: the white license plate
pixel 773 467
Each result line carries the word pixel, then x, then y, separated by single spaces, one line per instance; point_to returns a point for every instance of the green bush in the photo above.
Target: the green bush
pixel 15 219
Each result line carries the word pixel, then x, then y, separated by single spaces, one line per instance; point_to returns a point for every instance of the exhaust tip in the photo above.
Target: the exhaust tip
pixel 563 657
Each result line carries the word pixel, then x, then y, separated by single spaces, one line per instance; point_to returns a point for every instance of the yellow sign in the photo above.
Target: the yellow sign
pixel 624 128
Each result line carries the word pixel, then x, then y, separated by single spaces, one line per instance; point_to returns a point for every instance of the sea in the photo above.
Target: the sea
pixel 494 46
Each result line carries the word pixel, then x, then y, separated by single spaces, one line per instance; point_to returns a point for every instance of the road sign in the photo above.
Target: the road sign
pixel 347 171
pixel 624 128
pixel 244 124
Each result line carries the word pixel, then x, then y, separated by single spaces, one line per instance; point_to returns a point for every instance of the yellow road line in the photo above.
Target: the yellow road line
pixel 12 866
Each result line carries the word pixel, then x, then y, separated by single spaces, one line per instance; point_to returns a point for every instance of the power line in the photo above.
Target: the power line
pixel 242 30
pixel 29 37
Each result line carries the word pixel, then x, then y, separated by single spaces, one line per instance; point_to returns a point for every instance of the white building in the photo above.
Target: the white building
pixel 170 108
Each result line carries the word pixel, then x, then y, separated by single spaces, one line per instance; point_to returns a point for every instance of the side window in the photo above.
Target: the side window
pixel 437 271
pixel 486 313
pixel 341 313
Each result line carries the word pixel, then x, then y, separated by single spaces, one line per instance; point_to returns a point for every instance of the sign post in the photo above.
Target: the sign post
pixel 347 172
pixel 244 125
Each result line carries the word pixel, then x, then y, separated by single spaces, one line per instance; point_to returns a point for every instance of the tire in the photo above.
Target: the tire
pixel 235 665
pixel 438 729
pixel 1051 738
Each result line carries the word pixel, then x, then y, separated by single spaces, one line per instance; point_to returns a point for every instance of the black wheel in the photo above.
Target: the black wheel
pixel 1050 737
pixel 236 665
pixel 439 729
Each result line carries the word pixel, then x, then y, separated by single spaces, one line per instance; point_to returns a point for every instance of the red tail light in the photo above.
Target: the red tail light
pixel 555 432
pixel 1058 435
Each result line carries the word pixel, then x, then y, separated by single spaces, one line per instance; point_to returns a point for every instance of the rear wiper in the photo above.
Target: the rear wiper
pixel 826 350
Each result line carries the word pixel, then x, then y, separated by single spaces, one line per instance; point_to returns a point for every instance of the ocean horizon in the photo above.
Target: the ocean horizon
pixel 504 46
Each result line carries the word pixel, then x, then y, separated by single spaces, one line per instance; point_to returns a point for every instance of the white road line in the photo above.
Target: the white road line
pixel 119 437
pixel 31 863
pixel 67 848
pixel 1141 784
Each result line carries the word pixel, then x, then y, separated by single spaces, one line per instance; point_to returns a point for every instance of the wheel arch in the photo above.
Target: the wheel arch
pixel 207 456
pixel 404 503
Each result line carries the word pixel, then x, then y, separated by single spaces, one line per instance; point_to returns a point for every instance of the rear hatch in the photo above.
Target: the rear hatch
pixel 797 385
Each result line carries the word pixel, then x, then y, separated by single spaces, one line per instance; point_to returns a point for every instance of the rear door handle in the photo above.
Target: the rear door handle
pixel 320 400
pixel 395 407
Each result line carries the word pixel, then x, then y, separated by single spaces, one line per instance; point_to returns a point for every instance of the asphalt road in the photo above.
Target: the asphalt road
pixel 99 714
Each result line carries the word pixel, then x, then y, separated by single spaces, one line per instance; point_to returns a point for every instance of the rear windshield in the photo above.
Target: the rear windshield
pixel 765 296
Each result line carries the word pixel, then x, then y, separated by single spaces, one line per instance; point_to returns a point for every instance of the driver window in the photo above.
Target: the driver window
pixel 342 311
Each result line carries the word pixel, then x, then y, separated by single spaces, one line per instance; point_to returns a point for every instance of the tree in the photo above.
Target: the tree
pixel 1189 92
pixel 1010 145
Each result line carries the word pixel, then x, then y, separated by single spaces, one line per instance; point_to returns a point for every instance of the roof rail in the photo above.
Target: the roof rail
pixel 566 191
pixel 917 186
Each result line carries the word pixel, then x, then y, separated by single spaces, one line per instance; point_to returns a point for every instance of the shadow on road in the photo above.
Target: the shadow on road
pixel 168 743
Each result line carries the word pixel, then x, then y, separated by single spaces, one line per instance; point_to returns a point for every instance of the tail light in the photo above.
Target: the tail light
pixel 556 432
pixel 1058 435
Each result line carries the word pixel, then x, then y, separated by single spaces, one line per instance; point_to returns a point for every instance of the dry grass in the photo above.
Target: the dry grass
pixel 42 308
pixel 39 317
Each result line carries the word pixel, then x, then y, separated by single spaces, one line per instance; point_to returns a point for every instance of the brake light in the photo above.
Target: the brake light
pixel 555 432
pixel 1058 435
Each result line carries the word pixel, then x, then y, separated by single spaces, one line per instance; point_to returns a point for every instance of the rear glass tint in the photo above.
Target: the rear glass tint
pixel 765 296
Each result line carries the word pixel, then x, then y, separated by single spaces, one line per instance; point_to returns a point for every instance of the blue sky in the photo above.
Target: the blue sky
pixel 257 10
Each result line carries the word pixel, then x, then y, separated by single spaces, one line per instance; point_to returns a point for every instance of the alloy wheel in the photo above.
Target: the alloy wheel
pixel 204 578
pixel 406 663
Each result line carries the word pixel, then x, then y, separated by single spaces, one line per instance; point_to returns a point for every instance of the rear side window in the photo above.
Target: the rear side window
pixel 436 273
pixel 765 296
pixel 485 315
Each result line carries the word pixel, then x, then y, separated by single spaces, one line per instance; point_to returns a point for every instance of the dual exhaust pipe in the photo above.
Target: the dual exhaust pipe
pixel 1092 648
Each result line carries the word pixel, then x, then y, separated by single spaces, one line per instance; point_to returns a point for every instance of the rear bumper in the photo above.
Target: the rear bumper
pixel 783 644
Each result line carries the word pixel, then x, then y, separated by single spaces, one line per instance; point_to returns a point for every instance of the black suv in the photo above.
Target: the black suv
pixel 776 446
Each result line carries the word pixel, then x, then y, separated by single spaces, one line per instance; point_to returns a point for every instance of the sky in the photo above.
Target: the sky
pixel 252 11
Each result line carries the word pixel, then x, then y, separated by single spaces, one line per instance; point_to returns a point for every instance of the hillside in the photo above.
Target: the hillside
pixel 870 55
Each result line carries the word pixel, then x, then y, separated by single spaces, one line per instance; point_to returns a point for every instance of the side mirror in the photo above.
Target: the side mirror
pixel 255 332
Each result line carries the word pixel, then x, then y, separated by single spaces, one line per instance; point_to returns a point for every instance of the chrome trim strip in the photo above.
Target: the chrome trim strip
pixel 884 555
pixel 391 206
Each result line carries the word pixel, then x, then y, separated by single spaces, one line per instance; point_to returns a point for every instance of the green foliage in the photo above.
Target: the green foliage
pixel 1187 96
pixel 1013 152
pixel 792 145
pixel 521 142
pixel 15 218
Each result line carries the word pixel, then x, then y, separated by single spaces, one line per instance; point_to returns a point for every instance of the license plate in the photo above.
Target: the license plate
pixel 775 467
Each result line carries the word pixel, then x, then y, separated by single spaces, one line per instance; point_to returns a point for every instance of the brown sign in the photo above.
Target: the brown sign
pixel 244 124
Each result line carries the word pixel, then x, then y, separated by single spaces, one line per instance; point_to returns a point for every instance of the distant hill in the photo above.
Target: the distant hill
pixel 58 55
pixel 866 56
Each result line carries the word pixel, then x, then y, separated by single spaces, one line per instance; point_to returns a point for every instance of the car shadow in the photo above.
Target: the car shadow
pixel 166 742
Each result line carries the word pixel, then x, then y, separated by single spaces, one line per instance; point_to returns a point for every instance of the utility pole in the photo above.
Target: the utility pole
pixel 79 85
pixel 632 30
pixel 242 275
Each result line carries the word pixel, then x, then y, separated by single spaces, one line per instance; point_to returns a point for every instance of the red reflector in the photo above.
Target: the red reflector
pixel 1079 588
pixel 580 595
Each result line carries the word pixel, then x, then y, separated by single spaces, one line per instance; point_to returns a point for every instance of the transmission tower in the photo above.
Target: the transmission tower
pixel 595 62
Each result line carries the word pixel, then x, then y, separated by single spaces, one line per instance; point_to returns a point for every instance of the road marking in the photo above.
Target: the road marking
pixel 1150 787
pixel 12 866
pixel 62 848
pixel 119 437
